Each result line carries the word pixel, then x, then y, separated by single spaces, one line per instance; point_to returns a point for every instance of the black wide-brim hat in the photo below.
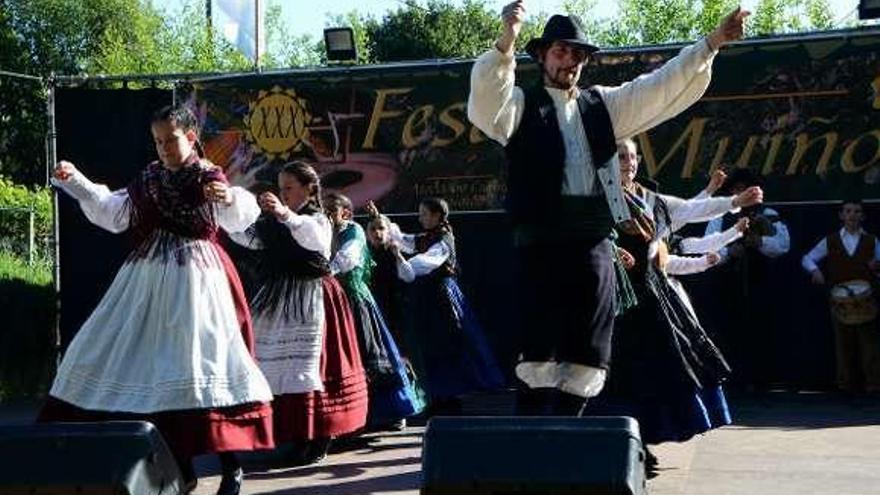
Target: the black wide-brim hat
pixel 562 28
pixel 739 176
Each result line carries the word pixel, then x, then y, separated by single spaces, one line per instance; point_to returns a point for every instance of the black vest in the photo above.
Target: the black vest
pixel 536 154
pixel 425 240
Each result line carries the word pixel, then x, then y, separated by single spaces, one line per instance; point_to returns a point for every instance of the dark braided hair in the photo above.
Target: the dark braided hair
pixel 439 205
pixel 181 117
pixel 305 174
pixel 335 199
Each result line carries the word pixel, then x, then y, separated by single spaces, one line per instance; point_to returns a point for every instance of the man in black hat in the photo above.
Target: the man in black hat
pixel 564 193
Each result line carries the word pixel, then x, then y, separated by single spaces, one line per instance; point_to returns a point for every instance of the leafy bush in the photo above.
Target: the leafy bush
pixel 16 204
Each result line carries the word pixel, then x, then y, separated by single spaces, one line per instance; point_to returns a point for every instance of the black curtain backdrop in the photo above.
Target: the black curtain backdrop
pixel 106 134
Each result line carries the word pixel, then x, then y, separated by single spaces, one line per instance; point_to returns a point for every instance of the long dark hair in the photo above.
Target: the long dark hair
pixel 306 175
pixel 438 205
pixel 180 117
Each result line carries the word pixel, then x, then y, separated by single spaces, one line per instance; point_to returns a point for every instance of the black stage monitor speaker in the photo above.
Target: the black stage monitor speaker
pixel 532 455
pixel 114 457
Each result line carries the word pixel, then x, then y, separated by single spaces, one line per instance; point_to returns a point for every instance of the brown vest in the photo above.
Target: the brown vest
pixel 842 267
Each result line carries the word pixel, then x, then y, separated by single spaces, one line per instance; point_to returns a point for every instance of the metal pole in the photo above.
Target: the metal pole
pixel 51 159
pixel 257 22
pixel 31 235
pixel 20 76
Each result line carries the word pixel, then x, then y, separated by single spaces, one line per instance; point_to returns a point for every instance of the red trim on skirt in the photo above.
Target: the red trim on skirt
pixel 193 432
pixel 189 432
pixel 342 407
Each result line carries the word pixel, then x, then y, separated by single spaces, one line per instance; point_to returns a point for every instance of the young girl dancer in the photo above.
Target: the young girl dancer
pixel 393 395
pixel 385 283
pixel 306 339
pixel 171 340
pixel 448 348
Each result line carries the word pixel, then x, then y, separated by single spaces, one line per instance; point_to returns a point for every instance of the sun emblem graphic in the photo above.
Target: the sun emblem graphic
pixel 277 123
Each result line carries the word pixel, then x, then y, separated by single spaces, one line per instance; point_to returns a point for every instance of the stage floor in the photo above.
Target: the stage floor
pixel 780 444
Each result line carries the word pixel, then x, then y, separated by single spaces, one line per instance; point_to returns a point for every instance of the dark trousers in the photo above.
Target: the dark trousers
pixel 857 348
pixel 566 303
pixel 548 402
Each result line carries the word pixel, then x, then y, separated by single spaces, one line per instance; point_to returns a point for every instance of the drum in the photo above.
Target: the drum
pixel 853 303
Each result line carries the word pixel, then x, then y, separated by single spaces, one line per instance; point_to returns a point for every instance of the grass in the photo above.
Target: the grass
pixel 13 267
pixel 26 335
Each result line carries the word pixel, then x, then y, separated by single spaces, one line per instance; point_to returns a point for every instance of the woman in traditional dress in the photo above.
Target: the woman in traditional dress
pixel 171 340
pixel 666 372
pixel 393 394
pixel 305 333
pixel 449 350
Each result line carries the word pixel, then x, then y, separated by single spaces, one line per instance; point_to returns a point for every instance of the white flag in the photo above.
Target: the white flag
pixel 236 20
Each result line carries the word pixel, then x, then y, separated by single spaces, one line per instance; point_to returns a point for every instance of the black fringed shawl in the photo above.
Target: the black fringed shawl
pixel 168 207
pixel 284 266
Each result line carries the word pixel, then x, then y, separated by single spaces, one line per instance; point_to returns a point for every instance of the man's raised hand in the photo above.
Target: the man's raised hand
pixel 730 29
pixel 512 16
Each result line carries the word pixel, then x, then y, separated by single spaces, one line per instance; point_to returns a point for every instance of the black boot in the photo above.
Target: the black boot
pixel 233 475
pixel 317 450
pixel 652 464
pixel 569 405
pixel 188 474
pixel 534 401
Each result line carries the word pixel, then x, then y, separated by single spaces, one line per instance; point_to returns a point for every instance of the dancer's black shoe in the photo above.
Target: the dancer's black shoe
pixel 230 484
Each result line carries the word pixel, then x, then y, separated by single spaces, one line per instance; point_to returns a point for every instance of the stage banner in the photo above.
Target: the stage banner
pixel 802 113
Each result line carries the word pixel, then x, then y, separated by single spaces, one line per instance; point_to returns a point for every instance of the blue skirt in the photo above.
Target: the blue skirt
pixel 393 390
pixel 671 418
pixel 449 348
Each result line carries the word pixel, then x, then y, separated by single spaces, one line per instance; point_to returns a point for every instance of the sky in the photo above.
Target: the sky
pixel 310 16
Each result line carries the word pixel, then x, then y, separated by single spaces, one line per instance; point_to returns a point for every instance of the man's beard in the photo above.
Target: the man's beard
pixel 561 80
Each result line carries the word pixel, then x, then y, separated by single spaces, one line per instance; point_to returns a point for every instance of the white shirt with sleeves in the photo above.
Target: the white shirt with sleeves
pixel 312 232
pixel 496 106
pixel 709 243
pixel 772 246
pixel 421 264
pixel 687 265
pixel 101 206
pixel 348 257
pixel 240 213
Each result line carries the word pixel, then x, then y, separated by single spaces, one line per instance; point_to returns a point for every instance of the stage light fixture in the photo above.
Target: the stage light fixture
pixel 869 9
pixel 340 44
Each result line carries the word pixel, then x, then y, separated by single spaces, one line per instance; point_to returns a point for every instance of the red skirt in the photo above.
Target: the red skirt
pixel 342 407
pixel 193 432
pixel 188 433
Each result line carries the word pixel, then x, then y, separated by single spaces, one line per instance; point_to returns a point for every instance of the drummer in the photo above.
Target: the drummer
pixel 850 271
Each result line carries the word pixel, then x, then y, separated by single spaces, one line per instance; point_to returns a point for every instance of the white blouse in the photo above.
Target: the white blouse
pixel 312 232
pixel 421 264
pixel 348 257
pixel 104 207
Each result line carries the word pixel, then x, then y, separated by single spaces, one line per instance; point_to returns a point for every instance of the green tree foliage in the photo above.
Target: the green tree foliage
pixel 286 49
pixel 22 108
pixel 439 29
pixel 782 16
pixel 41 37
pixel 153 43
pixel 640 22
pixel 16 204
